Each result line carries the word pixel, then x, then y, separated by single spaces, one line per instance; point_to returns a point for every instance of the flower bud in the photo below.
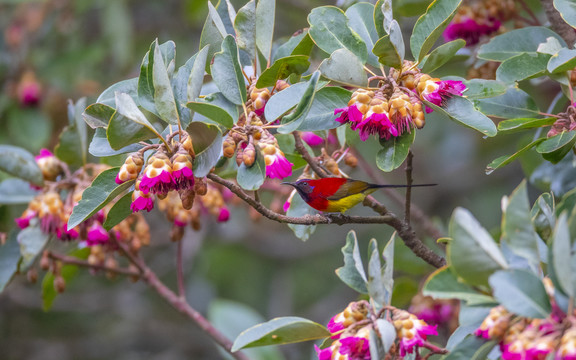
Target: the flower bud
pixel 239 156
pixel 200 186
pixel 187 197
pixel 45 261
pixel 32 275
pixel 59 284
pixel 281 85
pixel 351 160
pixel 131 168
pixel 188 146
pixel 229 147
pixel 249 155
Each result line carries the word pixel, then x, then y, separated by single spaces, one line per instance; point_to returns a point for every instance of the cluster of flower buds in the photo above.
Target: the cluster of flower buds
pixel 479 19
pixel 396 107
pixel 566 121
pixel 209 199
pixel 532 339
pixel 439 312
pixel 166 170
pixel 351 328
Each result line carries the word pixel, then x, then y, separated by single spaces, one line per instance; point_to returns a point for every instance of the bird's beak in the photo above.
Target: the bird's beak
pixel 288 183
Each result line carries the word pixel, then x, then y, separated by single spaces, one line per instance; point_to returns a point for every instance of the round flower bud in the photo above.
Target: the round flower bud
pixel 351 160
pixel 229 147
pixel 249 155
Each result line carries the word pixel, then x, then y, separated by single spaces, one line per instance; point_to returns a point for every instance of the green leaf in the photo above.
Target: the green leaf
pixel 376 290
pixel 32 241
pixel 293 121
pixel 471 348
pixel 212 34
pixel 387 333
pixel 441 55
pixel 507 159
pixel 282 68
pixel 119 211
pixel 126 107
pixel 543 217
pixel 430 26
pixel 16 191
pixel 77 123
pixel 100 147
pixel 344 67
pixel 513 125
pixel 321 114
pixel 108 96
pixel 383 17
pixel 146 80
pixel 472 253
pixel 102 190
pixel 461 110
pixel 567 9
pixel 207 142
pixel 251 178
pixel 563 61
pixel 515 103
pixel 98 115
pixel 188 83
pixel 517 229
pixel 9 259
pixel 245 26
pixel 299 208
pixel 388 273
pixel 283 330
pixel 562 256
pixel 481 88
pixel 394 151
pixel 68 147
pixel 298 44
pixel 227 72
pixel 265 15
pixel 352 273
pixel 164 100
pixel 123 131
pixel 409 8
pixel 68 272
pixel 516 42
pixel 521 292
pixel 443 284
pixel 390 48
pixel 522 66
pixel 361 20
pixel 212 112
pixel 551 46
pixel 556 142
pixel 330 31
pixel 20 163
pixel 282 101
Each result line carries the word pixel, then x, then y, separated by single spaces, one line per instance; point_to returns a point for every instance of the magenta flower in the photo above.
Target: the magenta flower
pixel 323 354
pixel 312 139
pixel 376 124
pixel 357 348
pixel 349 114
pixel 183 177
pixel 224 214
pixel 44 153
pixel 470 31
pixel 97 235
pixel 415 335
pixel 29 94
pixel 141 201
pixel 64 234
pixel 513 351
pixel 277 166
pixel 157 177
pixel 50 223
pixel 24 221
pixel 437 91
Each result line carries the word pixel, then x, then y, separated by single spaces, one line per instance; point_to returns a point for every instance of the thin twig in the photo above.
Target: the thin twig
pixel 180 270
pixel 82 263
pixel 409 188
pixel 306 155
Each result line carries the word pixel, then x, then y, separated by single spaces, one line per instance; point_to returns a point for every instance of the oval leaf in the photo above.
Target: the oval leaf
pixel 441 55
pixel 523 66
pixel 463 111
pixel 9 259
pixel 361 20
pixel 282 68
pixel 394 151
pixel 352 273
pixel 212 112
pixel 284 330
pixel 507 159
pixel 516 42
pixel 443 284
pixel 227 72
pixel 251 178
pixel 16 191
pixel 20 163
pixel 344 67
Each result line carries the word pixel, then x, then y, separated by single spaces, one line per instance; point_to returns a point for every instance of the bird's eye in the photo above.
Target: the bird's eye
pixel 305 183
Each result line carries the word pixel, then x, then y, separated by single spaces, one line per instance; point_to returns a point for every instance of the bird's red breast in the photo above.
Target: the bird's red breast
pixel 327 186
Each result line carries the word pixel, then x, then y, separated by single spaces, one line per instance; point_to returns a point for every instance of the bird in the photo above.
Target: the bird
pixel 333 194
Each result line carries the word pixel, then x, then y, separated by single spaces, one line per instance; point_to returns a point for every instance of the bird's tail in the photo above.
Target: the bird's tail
pixel 378 186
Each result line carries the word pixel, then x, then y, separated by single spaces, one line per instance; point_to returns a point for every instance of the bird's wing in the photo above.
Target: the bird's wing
pixel 351 187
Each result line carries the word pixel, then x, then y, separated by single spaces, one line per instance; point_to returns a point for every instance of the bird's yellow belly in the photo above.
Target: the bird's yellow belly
pixel 341 205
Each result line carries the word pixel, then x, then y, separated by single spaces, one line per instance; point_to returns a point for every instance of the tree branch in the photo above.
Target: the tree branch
pixel 408 189
pixel 180 270
pixel 306 155
pixel 558 24
pixel 71 260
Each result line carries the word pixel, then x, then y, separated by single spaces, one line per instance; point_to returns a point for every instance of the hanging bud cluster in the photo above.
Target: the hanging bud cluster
pixel 532 339
pixel 351 329
pixel 396 107
pixel 165 171
pixel 249 139
pixel 207 198
pixel 479 19
pixel 566 121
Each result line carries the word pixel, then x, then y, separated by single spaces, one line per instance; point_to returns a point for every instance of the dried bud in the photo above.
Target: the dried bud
pixel 45 261
pixel 177 233
pixel 350 160
pixel 59 284
pixel 332 166
pixel 187 197
pixel 200 186
pixel 249 155
pixel 281 85
pixel 239 156
pixel 229 147
pixel 32 275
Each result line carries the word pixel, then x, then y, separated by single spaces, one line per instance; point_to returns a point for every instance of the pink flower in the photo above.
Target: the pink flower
pixel 312 139
pixel 377 124
pixel 323 354
pixel 277 166
pixel 437 91
pixel 64 234
pixel 357 348
pixel 141 201
pixel 97 235
pixel 336 324
pixel 157 177
pixel 513 351
pixel 224 214
pixel 50 223
pixel 29 93
pixel 349 114
pixel 470 31
pixel 24 221
pixel 415 335
pixel 44 153
pixel 184 178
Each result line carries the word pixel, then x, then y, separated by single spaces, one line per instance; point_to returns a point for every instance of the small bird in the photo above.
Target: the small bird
pixel 335 194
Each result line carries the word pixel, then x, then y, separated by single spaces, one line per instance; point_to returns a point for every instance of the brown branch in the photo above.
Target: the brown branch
pixel 71 260
pixel 178 302
pixel 180 270
pixel 306 155
pixel 409 188
pixel 558 24
pixel 404 230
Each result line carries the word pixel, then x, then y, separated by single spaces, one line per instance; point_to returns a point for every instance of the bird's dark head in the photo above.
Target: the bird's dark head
pixel 303 186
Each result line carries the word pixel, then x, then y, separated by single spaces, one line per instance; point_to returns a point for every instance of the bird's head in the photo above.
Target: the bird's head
pixel 303 186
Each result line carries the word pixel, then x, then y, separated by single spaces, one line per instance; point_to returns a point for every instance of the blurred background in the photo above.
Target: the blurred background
pixel 245 271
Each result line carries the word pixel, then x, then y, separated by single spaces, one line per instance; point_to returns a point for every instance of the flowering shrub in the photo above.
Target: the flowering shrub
pixel 279 114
